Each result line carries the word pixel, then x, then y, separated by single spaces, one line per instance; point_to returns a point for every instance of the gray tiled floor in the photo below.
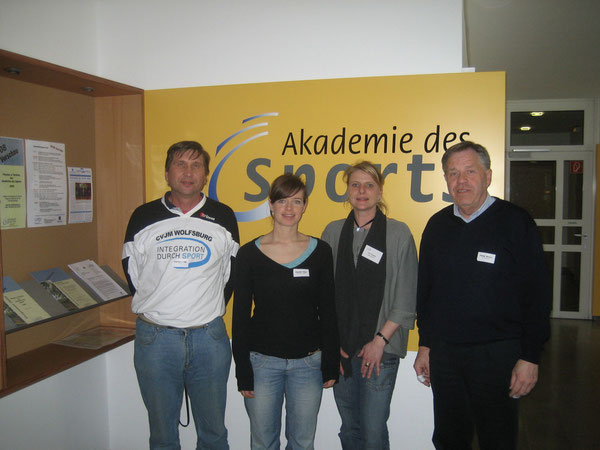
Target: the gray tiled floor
pixel 563 411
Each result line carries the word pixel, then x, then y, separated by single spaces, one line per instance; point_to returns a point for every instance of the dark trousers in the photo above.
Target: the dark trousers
pixel 470 385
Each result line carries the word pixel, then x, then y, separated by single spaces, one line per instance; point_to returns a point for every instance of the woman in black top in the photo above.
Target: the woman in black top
pixel 288 345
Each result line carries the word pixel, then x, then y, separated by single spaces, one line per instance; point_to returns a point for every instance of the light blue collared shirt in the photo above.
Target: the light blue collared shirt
pixel 486 204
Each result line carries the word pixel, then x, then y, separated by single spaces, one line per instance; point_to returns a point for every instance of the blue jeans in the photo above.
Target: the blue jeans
pixel 167 359
pixel 364 406
pixel 301 383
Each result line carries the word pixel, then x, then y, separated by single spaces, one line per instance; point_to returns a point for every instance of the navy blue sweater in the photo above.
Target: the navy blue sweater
pixel 484 281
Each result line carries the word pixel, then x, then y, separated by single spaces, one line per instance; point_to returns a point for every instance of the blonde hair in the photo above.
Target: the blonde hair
pixel 370 169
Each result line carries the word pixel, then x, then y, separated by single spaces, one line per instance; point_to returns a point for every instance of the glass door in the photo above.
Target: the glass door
pixel 556 188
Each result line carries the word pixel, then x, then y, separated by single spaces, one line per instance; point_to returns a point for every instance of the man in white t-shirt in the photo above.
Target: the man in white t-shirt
pixel 178 256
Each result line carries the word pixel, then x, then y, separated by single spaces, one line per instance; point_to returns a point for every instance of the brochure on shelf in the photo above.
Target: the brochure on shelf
pixel 55 302
pixel 21 303
pixel 43 298
pixel 102 284
pixel 9 324
pixel 63 288
pixel 12 317
pixel 96 337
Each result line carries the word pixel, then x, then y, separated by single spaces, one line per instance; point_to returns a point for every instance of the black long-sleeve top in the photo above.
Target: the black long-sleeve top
pixel 484 281
pixel 294 311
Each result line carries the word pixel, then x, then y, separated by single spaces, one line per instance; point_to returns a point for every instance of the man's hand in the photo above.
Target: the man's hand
pixel 524 377
pixel 421 365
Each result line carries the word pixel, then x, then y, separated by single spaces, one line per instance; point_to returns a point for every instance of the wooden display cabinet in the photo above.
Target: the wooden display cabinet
pixel 101 124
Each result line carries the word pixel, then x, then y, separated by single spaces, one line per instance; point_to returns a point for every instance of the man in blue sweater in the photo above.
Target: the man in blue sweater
pixel 483 304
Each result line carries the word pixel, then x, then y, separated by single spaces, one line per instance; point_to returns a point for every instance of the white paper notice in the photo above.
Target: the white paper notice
pixel 46 183
pixel 80 194
pixel 97 279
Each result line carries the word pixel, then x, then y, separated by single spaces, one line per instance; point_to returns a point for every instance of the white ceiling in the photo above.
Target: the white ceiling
pixel 548 48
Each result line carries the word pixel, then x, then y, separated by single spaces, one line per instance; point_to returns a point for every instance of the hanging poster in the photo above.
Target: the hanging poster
pixel 46 183
pixel 12 183
pixel 80 195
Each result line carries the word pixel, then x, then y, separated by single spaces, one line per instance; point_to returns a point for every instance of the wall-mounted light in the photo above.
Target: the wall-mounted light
pixel 525 128
pixel 536 113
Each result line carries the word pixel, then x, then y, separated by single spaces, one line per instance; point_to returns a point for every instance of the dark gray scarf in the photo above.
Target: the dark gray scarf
pixel 359 289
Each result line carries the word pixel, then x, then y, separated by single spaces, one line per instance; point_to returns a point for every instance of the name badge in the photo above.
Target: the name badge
pixel 489 258
pixel 372 254
pixel 301 273
pixel 180 264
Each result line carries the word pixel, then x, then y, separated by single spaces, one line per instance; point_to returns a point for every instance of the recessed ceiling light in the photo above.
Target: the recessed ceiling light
pixel 13 70
pixel 88 89
pixel 536 113
pixel 525 128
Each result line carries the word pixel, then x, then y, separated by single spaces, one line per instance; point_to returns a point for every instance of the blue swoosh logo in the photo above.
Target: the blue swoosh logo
pixel 262 210
pixel 195 263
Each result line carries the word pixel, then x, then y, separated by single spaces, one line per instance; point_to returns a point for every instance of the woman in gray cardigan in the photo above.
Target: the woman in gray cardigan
pixel 375 262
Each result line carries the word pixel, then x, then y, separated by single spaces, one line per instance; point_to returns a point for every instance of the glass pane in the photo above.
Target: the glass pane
pixel 532 186
pixel 569 236
pixel 569 282
pixel 547 234
pixel 535 128
pixel 549 257
pixel 573 190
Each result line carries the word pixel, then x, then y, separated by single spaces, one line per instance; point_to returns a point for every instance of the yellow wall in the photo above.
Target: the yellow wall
pixel 336 113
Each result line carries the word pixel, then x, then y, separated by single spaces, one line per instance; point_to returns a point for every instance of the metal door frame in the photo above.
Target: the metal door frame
pixel 586 248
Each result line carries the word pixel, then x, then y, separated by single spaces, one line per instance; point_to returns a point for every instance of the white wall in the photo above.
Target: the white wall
pixel 154 45
pixel 410 423
pixel 97 405
pixel 62 32
pixel 228 42
pixel 65 412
